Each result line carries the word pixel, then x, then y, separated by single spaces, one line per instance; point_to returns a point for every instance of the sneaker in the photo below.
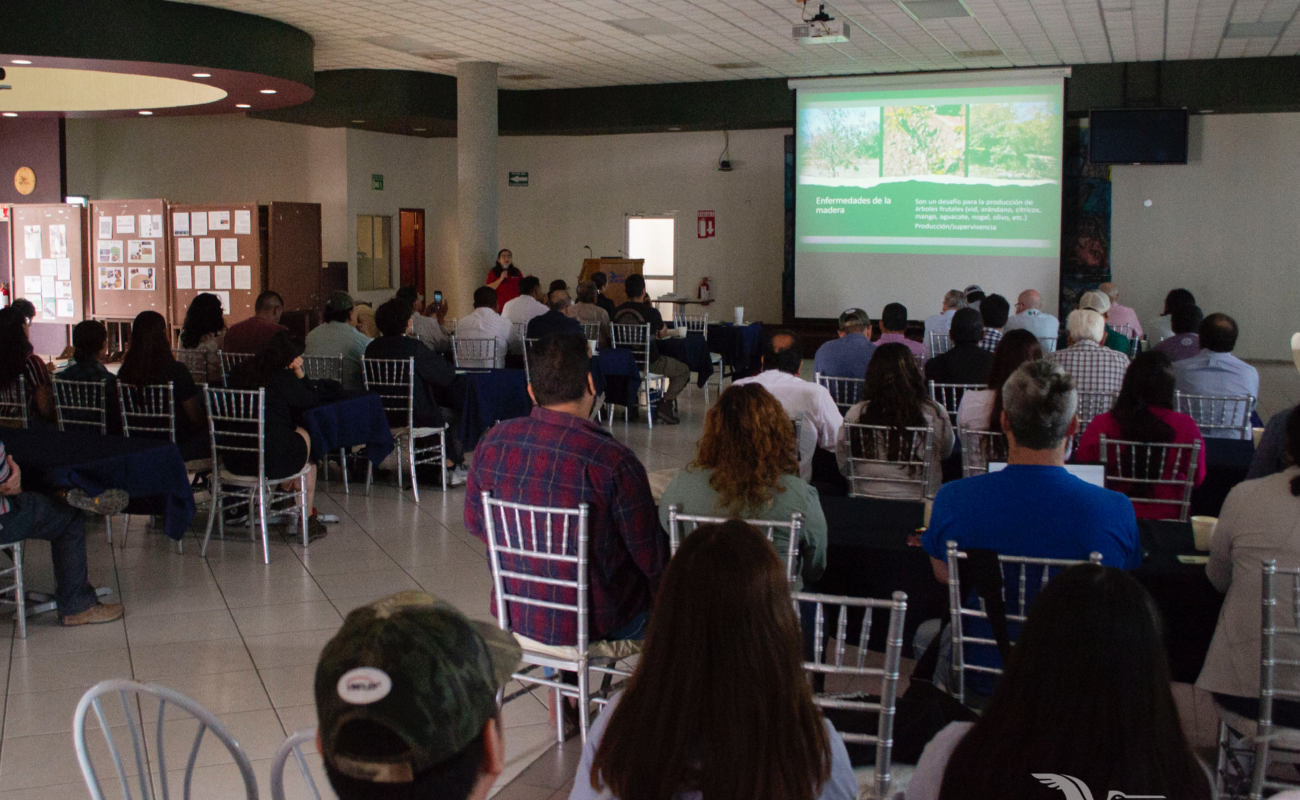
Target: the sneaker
pixel 457 477
pixel 95 615
pixel 106 503
pixel 315 528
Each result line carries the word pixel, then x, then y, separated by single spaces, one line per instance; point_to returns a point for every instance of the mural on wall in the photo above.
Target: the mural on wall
pixel 1085 220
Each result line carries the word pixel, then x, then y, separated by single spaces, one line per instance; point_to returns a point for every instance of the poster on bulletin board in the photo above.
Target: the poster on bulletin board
pixel 129 259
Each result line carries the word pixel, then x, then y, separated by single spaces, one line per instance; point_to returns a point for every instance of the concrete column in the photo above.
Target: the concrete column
pixel 476 178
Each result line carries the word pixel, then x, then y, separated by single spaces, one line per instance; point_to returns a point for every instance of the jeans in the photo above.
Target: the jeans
pixel 35 516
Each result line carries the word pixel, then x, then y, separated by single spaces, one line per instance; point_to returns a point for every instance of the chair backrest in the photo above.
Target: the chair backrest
pixel 1139 469
pixel 196 361
pixel 81 405
pixel 1213 414
pixel 844 391
pixel 518 330
pixel 529 344
pixel 148 411
pixel 475 353
pixel 293 746
pixel 236 422
pixel 679 525
pixel 833 662
pixel 1048 343
pixel 538 557
pixel 1280 631
pixel 591 331
pixel 1093 403
pixel 135 701
pixel 393 379
pixel 329 368
pixel 635 338
pixel 797 422
pixel 939 343
pixel 870 447
pixel 1029 575
pixel 949 395
pixel 228 363
pixel 693 323
pixel 13 404
pixel 978 448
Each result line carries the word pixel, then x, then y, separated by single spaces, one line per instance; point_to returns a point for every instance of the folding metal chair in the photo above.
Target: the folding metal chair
pixel 228 363
pixel 293 746
pixel 636 339
pixel 328 368
pixel 826 662
pixel 81 405
pixel 699 323
pixel 959 612
pixel 1138 469
pixel 846 392
pixel 237 425
pixel 940 343
pixel 393 379
pixel 538 557
pixel 132 697
pixel 790 531
pixel 13 404
pixel 910 472
pixel 978 448
pixel 1218 417
pixel 949 395
pixel 474 353
pixel 196 361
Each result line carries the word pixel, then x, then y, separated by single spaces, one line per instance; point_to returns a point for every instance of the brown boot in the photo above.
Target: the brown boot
pixel 95 615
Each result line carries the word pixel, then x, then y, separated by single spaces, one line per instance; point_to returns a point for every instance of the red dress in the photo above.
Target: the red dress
pixel 509 288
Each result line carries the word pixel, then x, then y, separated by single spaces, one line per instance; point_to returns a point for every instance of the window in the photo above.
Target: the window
pixel 655 240
pixel 374 259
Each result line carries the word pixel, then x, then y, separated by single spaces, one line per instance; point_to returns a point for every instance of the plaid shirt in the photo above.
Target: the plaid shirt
pixel 554 459
pixel 1093 367
pixel 991 338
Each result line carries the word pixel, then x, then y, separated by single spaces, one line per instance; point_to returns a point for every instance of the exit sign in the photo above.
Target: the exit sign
pixel 377 182
pixel 518 179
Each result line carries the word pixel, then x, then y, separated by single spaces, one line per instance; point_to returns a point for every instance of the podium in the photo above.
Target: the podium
pixel 617 270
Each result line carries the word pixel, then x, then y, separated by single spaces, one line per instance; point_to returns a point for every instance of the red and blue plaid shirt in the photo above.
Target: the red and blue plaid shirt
pixel 554 459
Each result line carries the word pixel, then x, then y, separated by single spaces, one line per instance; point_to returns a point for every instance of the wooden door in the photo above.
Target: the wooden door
pixel 412 248
pixel 294 264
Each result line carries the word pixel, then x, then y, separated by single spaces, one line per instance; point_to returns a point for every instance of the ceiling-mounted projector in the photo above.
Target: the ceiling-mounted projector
pixel 821 29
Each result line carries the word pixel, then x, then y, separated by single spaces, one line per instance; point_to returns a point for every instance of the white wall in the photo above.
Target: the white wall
pixel 1223 226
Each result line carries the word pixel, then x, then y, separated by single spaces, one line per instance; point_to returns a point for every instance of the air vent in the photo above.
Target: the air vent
pixel 935 9
pixel 644 26
pixel 978 53
pixel 738 65
pixel 1251 30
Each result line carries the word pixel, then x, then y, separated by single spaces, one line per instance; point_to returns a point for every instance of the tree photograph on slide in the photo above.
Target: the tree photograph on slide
pixel 925 140
pixel 841 142
pixel 1014 140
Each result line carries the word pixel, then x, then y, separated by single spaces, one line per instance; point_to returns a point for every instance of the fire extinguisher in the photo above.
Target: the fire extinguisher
pixel 4 295
pixel 705 292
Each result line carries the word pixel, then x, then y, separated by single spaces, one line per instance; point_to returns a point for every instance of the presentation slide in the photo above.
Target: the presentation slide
pixel 905 192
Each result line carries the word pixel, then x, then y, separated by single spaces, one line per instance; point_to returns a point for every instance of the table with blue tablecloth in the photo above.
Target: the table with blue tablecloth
pixel 741 347
pixel 351 421
pixel 151 471
pixel 491 395
pixel 1226 464
pixel 617 376
pixel 693 351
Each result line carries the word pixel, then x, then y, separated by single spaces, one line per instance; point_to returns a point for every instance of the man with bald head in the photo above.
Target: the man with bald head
pixel 1121 317
pixel 1030 316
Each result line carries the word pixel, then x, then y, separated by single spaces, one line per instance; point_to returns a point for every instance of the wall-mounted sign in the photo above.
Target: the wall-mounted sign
pixel 518 179
pixel 377 182
pixel 704 228
pixel 25 180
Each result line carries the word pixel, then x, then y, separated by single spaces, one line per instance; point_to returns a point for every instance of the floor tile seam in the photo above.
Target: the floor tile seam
pixel 244 641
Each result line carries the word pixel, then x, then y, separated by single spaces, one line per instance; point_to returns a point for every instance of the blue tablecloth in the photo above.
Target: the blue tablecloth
pixel 1226 464
pixel 741 347
pixel 350 422
pixel 693 351
pixel 152 472
pixel 491 396
pixel 616 375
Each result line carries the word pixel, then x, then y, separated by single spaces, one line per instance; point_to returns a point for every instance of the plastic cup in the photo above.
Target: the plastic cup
pixel 740 315
pixel 1203 531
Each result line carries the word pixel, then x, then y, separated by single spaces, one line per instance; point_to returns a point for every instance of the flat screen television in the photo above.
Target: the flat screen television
pixel 1138 136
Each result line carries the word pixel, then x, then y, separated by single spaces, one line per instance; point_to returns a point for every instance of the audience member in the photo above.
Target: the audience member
pixel 436 384
pixel 1144 412
pixel 953 300
pixel 1008 511
pixel 485 323
pixel 1099 302
pixel 1121 317
pixel 338 336
pixel 847 356
pixel 521 310
pixel 1257 524
pixel 558 457
pixel 435 729
pixel 89 349
pixel 893 328
pixel 994 310
pixel 29 515
pixel 1031 317
pixel 557 285
pixel 1162 326
pixel 18 359
pixel 638 310
pixel 588 312
pixel 1271 455
pixel 981 409
pixel 277 368
pixel 26 308
pixel 203 329
pixel 600 279
pixel 505 278
pixel 149 362
pixel 1093 367
pixel 1186 342
pixel 1085 703
pixel 427 329
pixel 251 335
pixel 554 320
pixel 746 467
pixel 966 361
pixel 974 296
pixel 366 319
pixel 1215 371
pixel 718 706
pixel 894 396
pixel 810 402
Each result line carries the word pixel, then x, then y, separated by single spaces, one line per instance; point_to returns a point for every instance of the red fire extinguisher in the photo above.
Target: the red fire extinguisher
pixel 4 295
pixel 705 292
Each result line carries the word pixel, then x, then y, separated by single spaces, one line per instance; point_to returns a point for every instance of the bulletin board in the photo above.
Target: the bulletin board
pixel 49 259
pixel 129 270
pixel 215 248
pixel 616 270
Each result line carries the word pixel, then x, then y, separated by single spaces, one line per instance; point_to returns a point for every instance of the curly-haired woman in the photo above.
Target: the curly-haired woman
pixel 745 468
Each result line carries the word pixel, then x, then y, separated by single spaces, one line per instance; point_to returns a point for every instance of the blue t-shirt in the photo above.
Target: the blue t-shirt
pixel 845 357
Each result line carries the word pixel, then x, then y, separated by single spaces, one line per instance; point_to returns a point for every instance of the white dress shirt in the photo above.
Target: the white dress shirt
pixel 486 323
pixel 937 323
pixel 810 401
pixel 520 311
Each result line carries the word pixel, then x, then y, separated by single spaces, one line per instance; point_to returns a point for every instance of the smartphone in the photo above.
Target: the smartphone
pixel 437 298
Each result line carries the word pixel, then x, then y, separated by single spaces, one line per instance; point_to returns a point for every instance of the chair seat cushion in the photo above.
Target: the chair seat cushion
pixel 618 648
pixel 252 480
pixel 1284 738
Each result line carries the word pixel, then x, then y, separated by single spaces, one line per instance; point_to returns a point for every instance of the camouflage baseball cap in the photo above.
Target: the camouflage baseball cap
pixel 418 668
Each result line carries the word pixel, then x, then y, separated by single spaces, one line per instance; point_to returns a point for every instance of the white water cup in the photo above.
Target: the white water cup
pixel 740 315
pixel 1203 531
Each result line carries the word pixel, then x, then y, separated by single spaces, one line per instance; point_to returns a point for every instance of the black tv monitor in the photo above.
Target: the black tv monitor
pixel 1138 136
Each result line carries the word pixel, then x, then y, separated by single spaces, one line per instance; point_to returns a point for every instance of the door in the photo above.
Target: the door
pixel 412 248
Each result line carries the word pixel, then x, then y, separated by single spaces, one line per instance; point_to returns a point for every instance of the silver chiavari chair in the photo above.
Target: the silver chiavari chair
pixel 293 746
pixel 911 472
pixel 940 343
pixel 149 412
pixel 1218 416
pixel 329 368
pixel 393 379
pixel 1139 469
pixel 846 392
pixel 14 409
pixel 699 323
pixel 474 353
pixel 785 535
pixel 949 395
pixel 228 363
pixel 196 361
pixel 1048 343
pixel 81 405
pixel 636 339
pixel 529 344
pixel 1093 403
pixel 978 448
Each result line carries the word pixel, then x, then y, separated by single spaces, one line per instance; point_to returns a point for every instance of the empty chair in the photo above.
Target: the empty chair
pixel 81 405
pixel 636 339
pixel 949 395
pixel 1158 478
pixel 328 368
pixel 13 404
pixel 1218 417
pixel 783 535
pixel 846 392
pixel 394 381
pixel 978 448
pixel 149 756
pixel 293 746
pixel 474 353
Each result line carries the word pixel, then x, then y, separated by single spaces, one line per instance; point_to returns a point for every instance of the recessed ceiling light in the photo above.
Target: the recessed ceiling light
pixel 145 113
pixel 21 61
pixel 242 105
pixel 358 122
pixel 675 128
pixel 203 74
pixel 268 91
pixel 419 130
pixel 935 9
pixel 11 114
